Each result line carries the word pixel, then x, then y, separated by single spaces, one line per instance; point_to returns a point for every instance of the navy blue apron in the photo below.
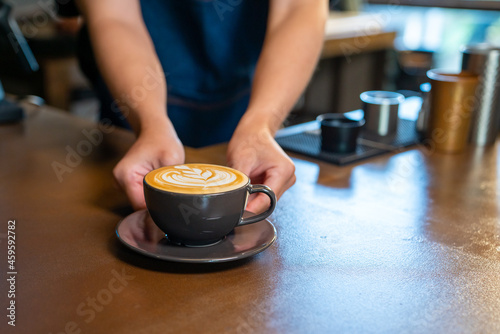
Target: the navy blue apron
pixel 208 51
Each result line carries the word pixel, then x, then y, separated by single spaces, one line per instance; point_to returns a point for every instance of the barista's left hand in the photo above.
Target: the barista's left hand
pixel 293 42
pixel 256 153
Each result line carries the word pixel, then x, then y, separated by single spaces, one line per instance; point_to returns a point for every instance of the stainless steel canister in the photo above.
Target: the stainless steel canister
pixel 423 115
pixel 484 60
pixel 381 112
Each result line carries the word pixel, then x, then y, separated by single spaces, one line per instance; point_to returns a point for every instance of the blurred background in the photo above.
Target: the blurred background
pixel 369 44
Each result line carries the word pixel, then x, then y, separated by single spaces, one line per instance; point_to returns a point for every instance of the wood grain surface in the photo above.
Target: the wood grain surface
pixel 403 243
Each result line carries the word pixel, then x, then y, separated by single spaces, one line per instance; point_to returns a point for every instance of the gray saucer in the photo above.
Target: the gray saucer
pixel 138 232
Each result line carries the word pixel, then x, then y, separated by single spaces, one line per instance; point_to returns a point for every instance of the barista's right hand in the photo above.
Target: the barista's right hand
pixel 153 149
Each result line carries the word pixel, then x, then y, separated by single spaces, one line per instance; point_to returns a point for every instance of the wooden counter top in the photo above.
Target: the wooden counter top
pixel 402 243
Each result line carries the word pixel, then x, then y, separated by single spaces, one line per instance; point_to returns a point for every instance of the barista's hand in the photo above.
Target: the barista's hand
pixel 256 153
pixel 151 150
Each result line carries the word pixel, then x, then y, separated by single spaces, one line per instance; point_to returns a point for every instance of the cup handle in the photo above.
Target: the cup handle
pixel 260 188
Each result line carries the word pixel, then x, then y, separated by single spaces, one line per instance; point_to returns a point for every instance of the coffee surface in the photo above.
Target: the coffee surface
pixel 196 179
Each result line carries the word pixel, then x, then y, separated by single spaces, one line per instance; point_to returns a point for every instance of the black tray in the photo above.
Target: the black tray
pixel 306 139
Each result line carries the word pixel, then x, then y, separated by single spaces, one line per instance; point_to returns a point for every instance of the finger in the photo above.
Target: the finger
pixel 170 159
pixel 131 184
pixel 261 202
pixel 258 204
pixel 279 180
pixel 135 194
pixel 117 185
pixel 242 167
pixel 244 161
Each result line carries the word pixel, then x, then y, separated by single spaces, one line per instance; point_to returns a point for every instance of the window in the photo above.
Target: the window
pixel 466 4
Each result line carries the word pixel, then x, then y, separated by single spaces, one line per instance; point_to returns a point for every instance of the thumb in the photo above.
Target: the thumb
pixel 243 159
pixel 240 164
pixel 135 194
pixel 134 190
pixel 258 203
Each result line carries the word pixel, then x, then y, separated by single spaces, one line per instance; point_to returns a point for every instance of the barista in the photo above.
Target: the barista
pixel 195 73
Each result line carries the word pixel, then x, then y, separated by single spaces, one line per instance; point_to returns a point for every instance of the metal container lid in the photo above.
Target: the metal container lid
pixel 382 97
pixel 480 49
pixel 449 76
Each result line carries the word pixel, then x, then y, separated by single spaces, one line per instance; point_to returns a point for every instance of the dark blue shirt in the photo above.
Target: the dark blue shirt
pixel 208 50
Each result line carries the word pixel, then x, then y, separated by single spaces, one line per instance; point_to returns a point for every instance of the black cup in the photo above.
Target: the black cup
pixel 203 219
pixel 339 134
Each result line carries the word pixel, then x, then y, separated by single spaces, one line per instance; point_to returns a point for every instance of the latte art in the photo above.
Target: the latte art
pixel 196 178
pixel 193 177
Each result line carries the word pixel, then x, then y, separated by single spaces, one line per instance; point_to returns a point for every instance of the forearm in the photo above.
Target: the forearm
pixel 128 63
pixel 132 72
pixel 288 58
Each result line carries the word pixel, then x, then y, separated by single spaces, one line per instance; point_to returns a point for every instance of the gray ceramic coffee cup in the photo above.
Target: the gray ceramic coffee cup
pixel 203 219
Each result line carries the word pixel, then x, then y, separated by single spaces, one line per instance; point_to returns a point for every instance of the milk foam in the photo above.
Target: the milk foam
pixel 196 178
